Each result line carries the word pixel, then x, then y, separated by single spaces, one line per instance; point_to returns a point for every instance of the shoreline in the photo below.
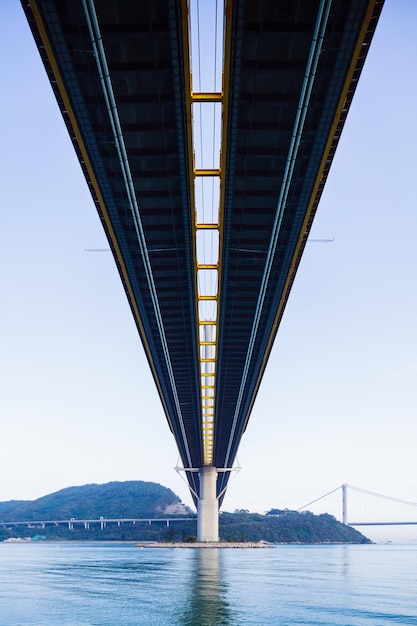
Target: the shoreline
pixel 181 544
pixel 203 544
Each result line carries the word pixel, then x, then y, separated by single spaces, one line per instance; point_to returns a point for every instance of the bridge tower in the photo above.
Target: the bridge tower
pixel 208 506
pixel 344 503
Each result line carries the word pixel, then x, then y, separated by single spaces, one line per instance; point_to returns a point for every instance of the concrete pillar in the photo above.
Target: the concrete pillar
pixel 208 506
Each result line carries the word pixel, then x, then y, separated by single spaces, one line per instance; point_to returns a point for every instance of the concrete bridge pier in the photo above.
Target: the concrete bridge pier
pixel 208 506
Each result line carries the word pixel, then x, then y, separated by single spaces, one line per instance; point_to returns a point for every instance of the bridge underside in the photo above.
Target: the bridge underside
pixel 120 71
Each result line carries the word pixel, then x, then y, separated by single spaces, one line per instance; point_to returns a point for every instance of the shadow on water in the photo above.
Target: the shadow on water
pixel 206 603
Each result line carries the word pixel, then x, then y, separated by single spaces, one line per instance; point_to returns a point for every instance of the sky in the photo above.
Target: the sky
pixel 338 402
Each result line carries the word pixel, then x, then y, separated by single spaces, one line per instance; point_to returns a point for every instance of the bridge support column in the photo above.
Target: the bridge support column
pixel 208 506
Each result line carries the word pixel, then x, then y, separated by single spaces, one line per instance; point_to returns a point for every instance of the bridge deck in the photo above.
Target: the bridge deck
pixel 120 72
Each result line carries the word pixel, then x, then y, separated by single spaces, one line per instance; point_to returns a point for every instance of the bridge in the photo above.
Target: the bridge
pixel 205 134
pixel 367 508
pixel 101 521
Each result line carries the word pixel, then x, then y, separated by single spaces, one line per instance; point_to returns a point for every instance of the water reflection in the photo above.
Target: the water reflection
pixel 345 556
pixel 206 604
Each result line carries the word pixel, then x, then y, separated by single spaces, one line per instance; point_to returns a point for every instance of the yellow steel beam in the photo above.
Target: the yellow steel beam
pixel 206 226
pixel 207 266
pixel 206 97
pixel 206 172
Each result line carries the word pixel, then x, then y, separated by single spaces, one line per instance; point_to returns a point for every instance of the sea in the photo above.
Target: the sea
pixel 94 584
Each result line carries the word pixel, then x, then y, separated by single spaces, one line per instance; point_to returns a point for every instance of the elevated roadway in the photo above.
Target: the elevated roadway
pixel 207 220
pixel 101 521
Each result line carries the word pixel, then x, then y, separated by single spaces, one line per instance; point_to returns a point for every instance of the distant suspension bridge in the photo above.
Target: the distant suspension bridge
pixel 367 508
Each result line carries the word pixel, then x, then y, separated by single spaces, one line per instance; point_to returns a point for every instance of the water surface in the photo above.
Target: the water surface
pixel 117 584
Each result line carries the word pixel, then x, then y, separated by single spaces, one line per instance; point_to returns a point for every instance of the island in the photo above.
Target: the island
pixel 140 511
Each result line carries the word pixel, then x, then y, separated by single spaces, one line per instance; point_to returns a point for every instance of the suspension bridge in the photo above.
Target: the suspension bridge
pixel 205 132
pixel 360 507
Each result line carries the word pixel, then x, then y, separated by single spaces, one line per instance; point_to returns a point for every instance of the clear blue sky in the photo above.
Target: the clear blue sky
pixel 338 402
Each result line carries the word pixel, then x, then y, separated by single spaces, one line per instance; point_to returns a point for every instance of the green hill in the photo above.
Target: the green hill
pixel 116 499
pixel 287 527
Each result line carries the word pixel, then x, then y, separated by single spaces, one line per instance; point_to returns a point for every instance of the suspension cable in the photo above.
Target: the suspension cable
pixel 321 498
pixel 380 495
